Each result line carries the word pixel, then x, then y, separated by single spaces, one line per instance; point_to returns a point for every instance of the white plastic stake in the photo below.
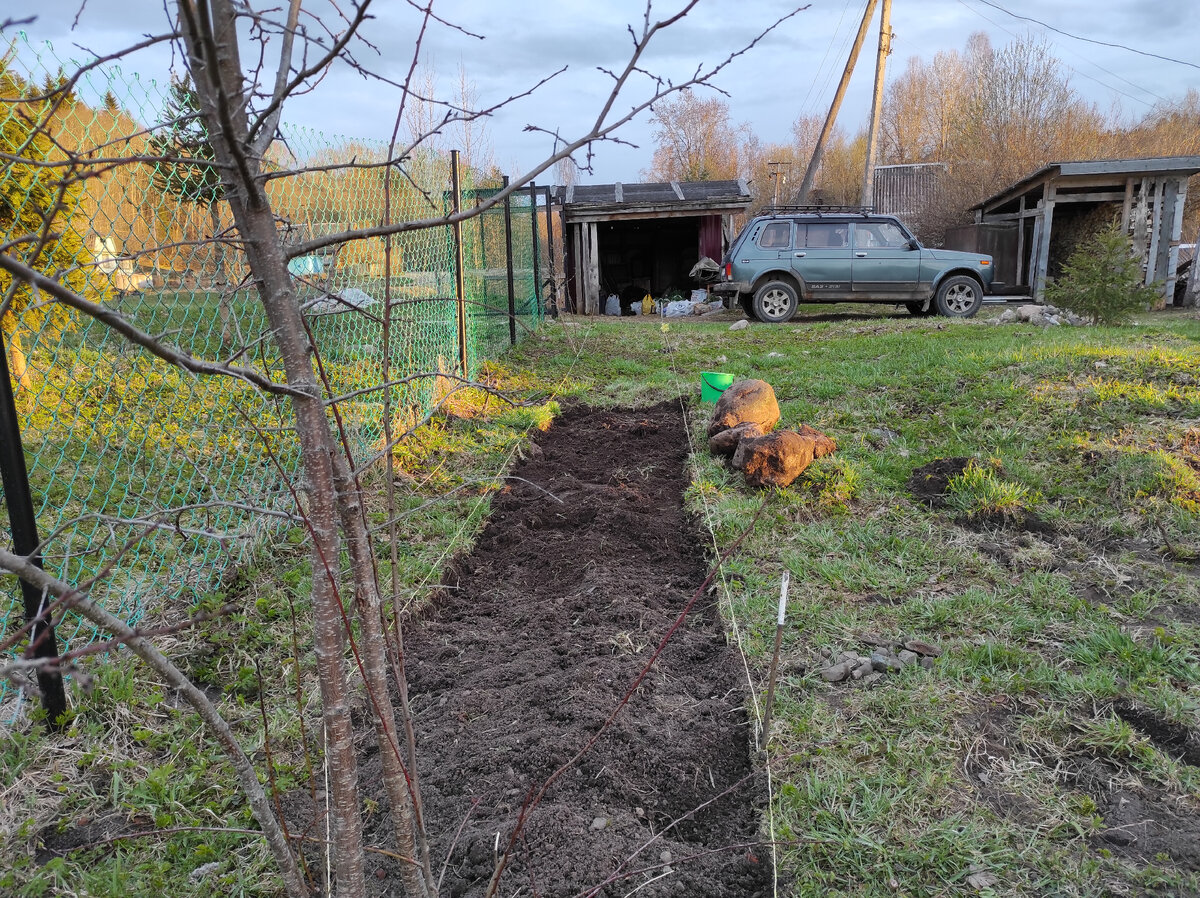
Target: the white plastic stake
pixel 783 595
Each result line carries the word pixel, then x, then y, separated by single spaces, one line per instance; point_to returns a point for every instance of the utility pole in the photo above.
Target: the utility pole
pixel 775 175
pixel 885 50
pixel 819 149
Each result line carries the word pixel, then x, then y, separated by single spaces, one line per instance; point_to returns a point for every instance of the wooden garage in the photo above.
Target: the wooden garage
pixel 623 238
pixel 1033 226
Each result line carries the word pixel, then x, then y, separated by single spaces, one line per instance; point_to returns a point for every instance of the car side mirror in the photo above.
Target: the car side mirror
pixel 912 243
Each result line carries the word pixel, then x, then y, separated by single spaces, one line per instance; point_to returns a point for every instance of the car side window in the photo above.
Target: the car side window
pixel 826 234
pixel 776 235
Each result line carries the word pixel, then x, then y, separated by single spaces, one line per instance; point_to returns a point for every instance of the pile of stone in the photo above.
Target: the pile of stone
pixel 887 657
pixel 741 430
pixel 1047 316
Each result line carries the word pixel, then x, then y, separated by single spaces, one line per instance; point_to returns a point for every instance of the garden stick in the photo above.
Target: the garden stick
pixel 783 591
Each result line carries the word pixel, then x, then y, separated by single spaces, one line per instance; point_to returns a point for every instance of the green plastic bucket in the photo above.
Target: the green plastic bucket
pixel 713 384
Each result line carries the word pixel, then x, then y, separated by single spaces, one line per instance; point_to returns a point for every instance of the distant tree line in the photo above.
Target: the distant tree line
pixel 990 116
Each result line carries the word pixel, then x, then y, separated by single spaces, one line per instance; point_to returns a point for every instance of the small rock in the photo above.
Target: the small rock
pixel 739 325
pixel 885 661
pixel 906 657
pixel 837 673
pixel 639 812
pixel 1052 320
pixel 928 663
pixel 1029 312
pixel 665 856
pixel 1008 315
pixel 922 648
pixel 872 678
pixel 722 359
pixel 535 452
pixel 774 355
pixel 600 823
pixel 1101 365
pixel 862 670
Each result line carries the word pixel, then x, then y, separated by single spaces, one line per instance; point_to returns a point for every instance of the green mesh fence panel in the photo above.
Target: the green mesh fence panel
pixel 155 481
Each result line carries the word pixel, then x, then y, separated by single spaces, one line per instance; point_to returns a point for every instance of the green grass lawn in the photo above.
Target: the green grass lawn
pixel 1059 580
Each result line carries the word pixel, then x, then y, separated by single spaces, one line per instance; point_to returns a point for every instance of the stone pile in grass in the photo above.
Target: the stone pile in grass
pixel 743 429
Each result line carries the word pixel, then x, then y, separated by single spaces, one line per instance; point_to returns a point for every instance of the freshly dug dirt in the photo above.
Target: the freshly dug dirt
pixel 582 568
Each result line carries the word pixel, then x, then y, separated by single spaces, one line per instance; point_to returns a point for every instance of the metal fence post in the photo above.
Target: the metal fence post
pixel 550 252
pixel 512 296
pixel 533 218
pixel 17 496
pixel 460 288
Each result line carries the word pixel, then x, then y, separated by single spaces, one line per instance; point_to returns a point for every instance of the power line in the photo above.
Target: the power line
pixel 1166 103
pixel 1088 39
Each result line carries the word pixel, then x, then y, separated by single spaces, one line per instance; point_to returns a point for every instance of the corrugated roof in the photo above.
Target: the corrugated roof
pixel 683 193
pixel 1151 165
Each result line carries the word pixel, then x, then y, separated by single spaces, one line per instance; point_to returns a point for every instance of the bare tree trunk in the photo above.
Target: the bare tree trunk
pixel 216 72
pixel 402 787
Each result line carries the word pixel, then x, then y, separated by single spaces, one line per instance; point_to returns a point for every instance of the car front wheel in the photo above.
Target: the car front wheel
pixel 775 302
pixel 959 297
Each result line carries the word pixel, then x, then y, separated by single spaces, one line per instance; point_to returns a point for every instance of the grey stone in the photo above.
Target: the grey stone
pixel 600 823
pixel 1028 312
pixel 922 648
pixel 872 678
pixel 665 856
pixel 837 673
pixel 739 325
pixel 906 657
pixel 885 661
pixel 862 670
pixel 1008 315
pixel 928 663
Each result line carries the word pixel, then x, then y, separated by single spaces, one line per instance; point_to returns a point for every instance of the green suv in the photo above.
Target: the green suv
pixel 807 254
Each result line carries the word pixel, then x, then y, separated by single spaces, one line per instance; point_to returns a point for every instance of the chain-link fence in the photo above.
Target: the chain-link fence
pixel 143 476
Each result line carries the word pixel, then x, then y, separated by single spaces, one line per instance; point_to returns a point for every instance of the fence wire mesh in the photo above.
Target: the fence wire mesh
pixel 155 481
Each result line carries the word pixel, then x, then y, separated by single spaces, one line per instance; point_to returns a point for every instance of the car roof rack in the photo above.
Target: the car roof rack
pixel 819 210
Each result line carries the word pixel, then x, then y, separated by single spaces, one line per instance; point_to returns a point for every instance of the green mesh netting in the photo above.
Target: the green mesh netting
pixel 155 478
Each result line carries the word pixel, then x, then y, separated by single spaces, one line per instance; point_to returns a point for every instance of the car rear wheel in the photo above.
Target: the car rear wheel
pixel 775 302
pixel 746 301
pixel 959 297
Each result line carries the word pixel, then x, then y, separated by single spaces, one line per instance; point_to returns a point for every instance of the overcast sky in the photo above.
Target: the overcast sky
pixel 792 72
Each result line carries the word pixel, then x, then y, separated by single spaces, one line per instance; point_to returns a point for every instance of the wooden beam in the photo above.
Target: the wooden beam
pixel 618 192
pixel 1018 279
pixel 1107 197
pixel 1172 220
pixel 1043 259
pixel 593 268
pixel 1156 193
pixel 1127 207
pixel 678 190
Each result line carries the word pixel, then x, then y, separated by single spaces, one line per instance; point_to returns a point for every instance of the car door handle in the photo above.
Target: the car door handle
pixel 800 255
pixel 860 255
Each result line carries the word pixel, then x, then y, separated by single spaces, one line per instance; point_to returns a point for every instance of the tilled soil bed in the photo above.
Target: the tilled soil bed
pixel 584 565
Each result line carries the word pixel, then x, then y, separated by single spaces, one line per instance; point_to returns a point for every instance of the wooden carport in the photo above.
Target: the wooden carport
pixel 643 236
pixel 1057 207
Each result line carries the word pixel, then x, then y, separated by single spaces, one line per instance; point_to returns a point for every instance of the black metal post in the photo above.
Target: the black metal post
pixel 460 288
pixel 533 217
pixel 17 496
pixel 550 252
pixel 512 296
